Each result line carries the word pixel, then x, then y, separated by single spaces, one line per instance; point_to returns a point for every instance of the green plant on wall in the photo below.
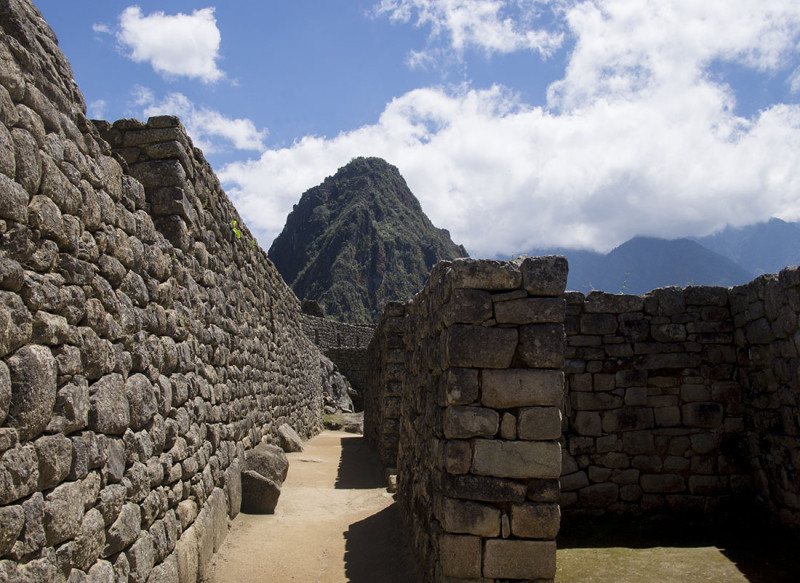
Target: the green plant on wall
pixel 236 230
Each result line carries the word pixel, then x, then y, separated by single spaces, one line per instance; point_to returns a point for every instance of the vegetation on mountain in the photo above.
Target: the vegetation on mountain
pixel 359 240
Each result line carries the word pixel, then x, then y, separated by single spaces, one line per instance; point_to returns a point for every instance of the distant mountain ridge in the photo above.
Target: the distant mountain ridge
pixel 730 257
pixel 358 240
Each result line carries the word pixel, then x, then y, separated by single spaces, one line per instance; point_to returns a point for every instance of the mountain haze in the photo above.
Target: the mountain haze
pixel 358 240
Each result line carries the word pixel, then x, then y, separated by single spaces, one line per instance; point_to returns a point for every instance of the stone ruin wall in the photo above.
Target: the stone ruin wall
pixel 479 423
pixel 345 344
pixel 681 401
pixel 143 344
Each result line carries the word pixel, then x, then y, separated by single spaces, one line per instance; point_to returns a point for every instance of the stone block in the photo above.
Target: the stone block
pixel 636 396
pixel 186 553
pixel 530 311
pixel 598 302
pixel 478 346
pixel 542 345
pixel 289 439
pixel 90 541
pixel 460 556
pixel 508 426
pixel 259 493
pixel 667 416
pixel 662 483
pixel 505 389
pixel 124 530
pixel 141 399
pixel 457 456
pixel 19 473
pixel 539 423
pixel 638 442
pixel 545 276
pixel 704 415
pixel 484 275
pixel 33 373
pixel 540 521
pixel 584 401
pixel 516 459
pixel 459 386
pixel 628 419
pixel 519 559
pixel 467 306
pixel 543 490
pixel 268 460
pixel 599 495
pixel 599 324
pixel 109 411
pixel 465 422
pixel 463 517
pixel 13 519
pixel 484 488
pixel 141 558
pixel 574 481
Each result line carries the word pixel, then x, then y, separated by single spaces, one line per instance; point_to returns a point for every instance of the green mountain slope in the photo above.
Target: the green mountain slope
pixel 358 240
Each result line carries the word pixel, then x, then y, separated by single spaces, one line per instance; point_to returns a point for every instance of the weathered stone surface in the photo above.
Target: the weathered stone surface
pixel 468 306
pixel 479 347
pixel 124 531
pixel 141 400
pixel 110 411
pixel 141 557
pixel 542 345
pixel 530 311
pixel 460 556
pixel 13 519
pixel 504 389
pixel 259 493
pixel 268 460
pixel 33 390
pixel 63 512
pixel 289 439
pixel 457 456
pixel 539 423
pixel 540 521
pixel 545 276
pixel 186 553
pixel 462 517
pixel 519 559
pixel 517 459
pixel 13 201
pixel 460 386
pixel 484 275
pixel 90 541
pixel 466 422
pixel 484 488
pixel 708 415
pixel 5 391
pixel 54 453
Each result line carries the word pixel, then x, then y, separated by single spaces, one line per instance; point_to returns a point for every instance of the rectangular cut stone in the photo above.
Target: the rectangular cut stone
pixel 459 386
pixel 462 517
pixel 541 521
pixel 542 345
pixel 485 488
pixel 520 387
pixel 516 459
pixel 484 274
pixel 460 556
pixel 479 347
pixel 467 306
pixel 530 311
pixel 545 276
pixel 519 559
pixel 465 422
pixel 539 423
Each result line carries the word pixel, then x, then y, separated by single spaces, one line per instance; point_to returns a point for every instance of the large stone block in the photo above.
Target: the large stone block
pixel 516 459
pixel 463 517
pixel 459 386
pixel 519 559
pixel 109 412
pixel 530 311
pixel 542 345
pixel 705 415
pixel 289 439
pixel 628 419
pixel 259 493
pixel 478 346
pixel 505 389
pixel 467 306
pixel 540 521
pixel 140 395
pixel 186 552
pixel 539 423
pixel 545 276
pixel 484 488
pixel 465 422
pixel 460 556
pixel 33 372
pixel 599 302
pixel 484 274
pixel 599 495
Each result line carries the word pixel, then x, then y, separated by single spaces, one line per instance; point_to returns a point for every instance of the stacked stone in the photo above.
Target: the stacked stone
pixel 143 344
pixel 767 336
pixel 655 415
pixel 386 358
pixel 479 452
pixel 345 344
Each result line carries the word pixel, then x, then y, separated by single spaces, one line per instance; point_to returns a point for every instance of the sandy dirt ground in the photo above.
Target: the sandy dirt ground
pixel 335 522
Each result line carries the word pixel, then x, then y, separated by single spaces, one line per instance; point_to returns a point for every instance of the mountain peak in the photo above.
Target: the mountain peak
pixel 358 240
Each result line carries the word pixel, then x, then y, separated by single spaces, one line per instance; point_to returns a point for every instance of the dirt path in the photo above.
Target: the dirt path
pixel 335 522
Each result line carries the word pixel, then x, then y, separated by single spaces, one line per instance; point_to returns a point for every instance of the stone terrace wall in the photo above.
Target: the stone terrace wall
pixel 382 398
pixel 479 456
pixel 143 344
pixel 345 344
pixel 766 314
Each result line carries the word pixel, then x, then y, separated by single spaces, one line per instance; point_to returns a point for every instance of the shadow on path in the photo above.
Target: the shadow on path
pixel 376 550
pixel 359 467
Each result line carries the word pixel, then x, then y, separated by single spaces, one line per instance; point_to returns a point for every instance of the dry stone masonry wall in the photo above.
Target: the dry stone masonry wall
pixel 145 341
pixel 479 454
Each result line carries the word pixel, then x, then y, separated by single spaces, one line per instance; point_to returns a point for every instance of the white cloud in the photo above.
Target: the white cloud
pixel 206 127
pixel 493 26
pixel 101 28
pixel 97 109
pixel 180 45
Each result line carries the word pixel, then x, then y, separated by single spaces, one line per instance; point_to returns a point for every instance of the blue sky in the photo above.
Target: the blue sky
pixel 517 123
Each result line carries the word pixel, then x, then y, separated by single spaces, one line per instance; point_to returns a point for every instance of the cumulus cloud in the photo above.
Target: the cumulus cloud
pixel 210 130
pixel 492 26
pixel 97 109
pixel 179 45
pixel 637 137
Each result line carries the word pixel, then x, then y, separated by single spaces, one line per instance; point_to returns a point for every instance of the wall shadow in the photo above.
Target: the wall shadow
pixel 376 550
pixel 761 554
pixel 359 466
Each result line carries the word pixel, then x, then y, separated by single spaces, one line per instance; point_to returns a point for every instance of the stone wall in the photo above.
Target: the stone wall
pixel 479 454
pixel 345 344
pixel 684 400
pixel 145 342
